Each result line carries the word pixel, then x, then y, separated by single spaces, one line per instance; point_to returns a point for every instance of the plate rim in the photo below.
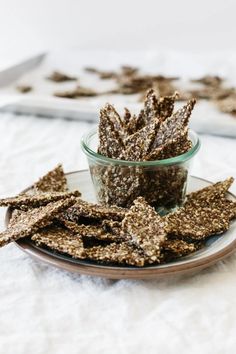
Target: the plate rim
pixel 113 272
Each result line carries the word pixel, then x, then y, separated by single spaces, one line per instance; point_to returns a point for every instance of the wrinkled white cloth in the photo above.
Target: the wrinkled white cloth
pixel 46 310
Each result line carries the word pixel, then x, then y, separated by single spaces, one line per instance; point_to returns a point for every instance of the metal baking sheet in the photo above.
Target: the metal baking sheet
pixel 206 118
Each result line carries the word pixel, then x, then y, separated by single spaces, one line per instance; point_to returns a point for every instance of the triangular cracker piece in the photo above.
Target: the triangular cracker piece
pixel 209 194
pixel 206 212
pixel 94 211
pixel 172 148
pixel 150 106
pixel 175 126
pixel 110 139
pixel 90 231
pixel 26 223
pixel 165 106
pixel 160 108
pixel 121 253
pixel 145 228
pixel 138 144
pixel 53 181
pixel 173 249
pixel 25 201
pixel 120 185
pixel 61 240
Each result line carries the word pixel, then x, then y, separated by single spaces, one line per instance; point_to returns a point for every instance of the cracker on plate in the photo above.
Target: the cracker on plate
pixel 53 181
pixel 61 240
pixel 25 201
pixel 145 228
pixel 26 223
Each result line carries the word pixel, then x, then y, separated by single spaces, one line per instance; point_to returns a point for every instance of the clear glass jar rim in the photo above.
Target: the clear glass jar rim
pixel 171 161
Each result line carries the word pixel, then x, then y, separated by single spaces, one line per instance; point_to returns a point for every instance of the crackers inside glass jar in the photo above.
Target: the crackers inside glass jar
pixel 145 154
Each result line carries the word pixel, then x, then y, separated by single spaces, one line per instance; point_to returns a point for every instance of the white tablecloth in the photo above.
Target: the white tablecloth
pixel 45 310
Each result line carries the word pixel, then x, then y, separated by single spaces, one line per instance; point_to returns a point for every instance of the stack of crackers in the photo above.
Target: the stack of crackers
pixel 156 133
pixel 60 220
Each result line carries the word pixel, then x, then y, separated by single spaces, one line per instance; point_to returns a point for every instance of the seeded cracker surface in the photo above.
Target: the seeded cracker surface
pixel 91 231
pixel 25 201
pixel 94 211
pixel 53 181
pixel 145 228
pixel 61 240
pixel 205 213
pixel 174 126
pixel 139 143
pixel 210 193
pixel 111 144
pixel 29 222
pixel 173 249
pixel 57 76
pixel 160 108
pixel 121 253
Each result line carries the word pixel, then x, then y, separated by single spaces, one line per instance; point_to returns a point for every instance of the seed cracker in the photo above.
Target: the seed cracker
pixel 53 181
pixel 174 126
pixel 29 222
pixel 165 187
pixel 61 240
pixel 119 185
pixel 94 211
pixel 110 140
pixel 150 106
pixel 135 123
pixel 24 88
pixel 145 228
pixel 138 144
pixel 24 201
pixel 197 223
pixel 227 105
pixel 160 108
pixel 112 227
pixel 172 148
pixel 205 213
pixel 173 249
pixel 166 106
pixel 113 116
pixel 57 76
pixel 90 231
pixel 77 92
pixel 120 253
pixel 209 80
pixel 210 193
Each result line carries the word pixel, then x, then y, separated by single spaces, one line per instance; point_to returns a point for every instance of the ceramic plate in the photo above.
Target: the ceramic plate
pixel 217 247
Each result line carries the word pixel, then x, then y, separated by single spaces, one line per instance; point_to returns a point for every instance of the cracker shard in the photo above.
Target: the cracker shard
pixel 206 212
pixel 145 228
pixel 160 108
pixel 94 211
pixel 110 140
pixel 26 223
pixel 175 126
pixel 53 181
pixel 210 193
pixel 25 201
pixel 173 249
pixel 174 147
pixel 139 144
pixel 61 240
pixel 90 231
pixel 120 253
